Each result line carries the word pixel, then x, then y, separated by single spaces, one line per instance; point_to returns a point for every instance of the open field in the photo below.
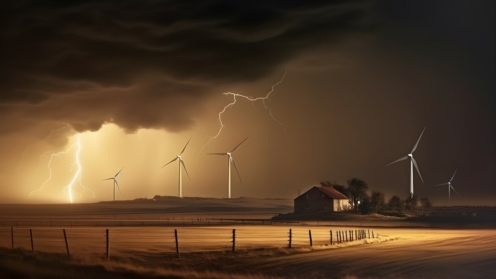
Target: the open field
pixel 162 240
pixel 142 245
pixel 397 253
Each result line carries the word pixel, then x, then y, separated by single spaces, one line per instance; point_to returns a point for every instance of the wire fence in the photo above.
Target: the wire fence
pixel 168 240
pixel 190 222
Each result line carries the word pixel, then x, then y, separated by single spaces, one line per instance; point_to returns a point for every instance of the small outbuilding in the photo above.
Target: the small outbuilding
pixel 321 199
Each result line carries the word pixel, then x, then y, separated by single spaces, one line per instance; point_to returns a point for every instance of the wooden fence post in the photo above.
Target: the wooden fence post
pixel 31 235
pixel 66 244
pixel 12 236
pixel 108 248
pixel 290 238
pixel 368 230
pixel 346 236
pixel 331 236
pixel 310 236
pixel 177 244
pixel 337 236
pixel 373 234
pixel 233 240
pixel 351 234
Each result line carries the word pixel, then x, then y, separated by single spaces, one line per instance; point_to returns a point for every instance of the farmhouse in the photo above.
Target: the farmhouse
pixel 321 199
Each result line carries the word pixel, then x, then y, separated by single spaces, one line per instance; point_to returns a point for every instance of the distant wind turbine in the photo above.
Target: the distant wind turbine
pixel 181 162
pixel 412 163
pixel 449 186
pixel 229 161
pixel 114 178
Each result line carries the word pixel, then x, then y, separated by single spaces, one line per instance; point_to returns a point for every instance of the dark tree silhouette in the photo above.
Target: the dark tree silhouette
pixel 425 203
pixel 365 205
pixel 357 189
pixel 411 203
pixel 377 201
pixel 326 183
pixel 395 203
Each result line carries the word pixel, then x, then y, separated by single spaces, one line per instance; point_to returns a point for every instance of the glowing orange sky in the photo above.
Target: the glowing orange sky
pixel 363 80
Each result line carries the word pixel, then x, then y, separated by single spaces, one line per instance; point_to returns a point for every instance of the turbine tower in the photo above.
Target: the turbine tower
pixel 181 162
pixel 230 161
pixel 449 186
pixel 412 163
pixel 114 178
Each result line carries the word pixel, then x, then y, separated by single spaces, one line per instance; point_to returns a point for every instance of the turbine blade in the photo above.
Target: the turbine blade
pixel 184 167
pixel 224 154
pixel 117 173
pixel 239 145
pixel 236 168
pixel 415 164
pixel 415 147
pixel 400 159
pixel 453 175
pixel 116 183
pixel 185 147
pixel 170 162
pixel 454 190
pixel 442 184
pixel 108 179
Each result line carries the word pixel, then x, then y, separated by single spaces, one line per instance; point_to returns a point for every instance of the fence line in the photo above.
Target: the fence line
pixel 190 222
pixel 164 240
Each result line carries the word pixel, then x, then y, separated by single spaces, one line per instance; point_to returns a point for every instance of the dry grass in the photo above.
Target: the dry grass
pixel 240 265
pixel 22 264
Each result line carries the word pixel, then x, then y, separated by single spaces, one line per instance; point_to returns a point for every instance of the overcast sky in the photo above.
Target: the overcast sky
pixel 134 80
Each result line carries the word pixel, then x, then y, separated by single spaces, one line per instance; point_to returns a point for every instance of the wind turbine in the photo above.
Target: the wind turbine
pixel 412 163
pixel 449 186
pixel 181 162
pixel 114 178
pixel 229 161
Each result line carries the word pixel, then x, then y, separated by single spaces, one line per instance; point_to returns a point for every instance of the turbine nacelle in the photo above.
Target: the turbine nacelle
pixel 450 186
pixel 181 162
pixel 230 162
pixel 114 178
pixel 412 162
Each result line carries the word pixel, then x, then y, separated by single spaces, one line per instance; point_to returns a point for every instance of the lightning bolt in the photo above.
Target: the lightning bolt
pixel 77 175
pixel 253 100
pixel 56 130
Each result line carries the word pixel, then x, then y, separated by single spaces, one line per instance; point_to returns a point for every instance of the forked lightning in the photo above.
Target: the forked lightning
pixel 77 175
pixel 253 100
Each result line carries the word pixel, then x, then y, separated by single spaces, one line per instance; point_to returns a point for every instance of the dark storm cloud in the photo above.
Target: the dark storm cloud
pixel 149 63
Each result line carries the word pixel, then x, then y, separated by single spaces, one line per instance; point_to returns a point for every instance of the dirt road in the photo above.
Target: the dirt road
pixel 414 254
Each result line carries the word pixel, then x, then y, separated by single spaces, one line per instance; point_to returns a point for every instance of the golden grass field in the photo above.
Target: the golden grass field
pixel 261 250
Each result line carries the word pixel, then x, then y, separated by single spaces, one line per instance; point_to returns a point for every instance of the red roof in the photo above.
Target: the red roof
pixel 331 192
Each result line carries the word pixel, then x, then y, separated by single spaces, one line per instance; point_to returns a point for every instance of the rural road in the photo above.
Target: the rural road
pixel 469 254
